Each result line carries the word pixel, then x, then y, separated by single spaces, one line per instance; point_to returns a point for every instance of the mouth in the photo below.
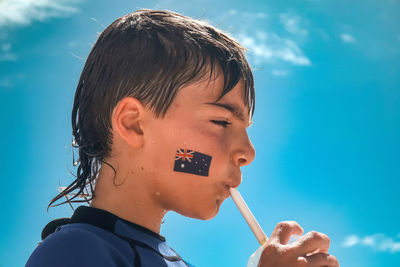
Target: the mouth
pixel 226 191
pixel 231 183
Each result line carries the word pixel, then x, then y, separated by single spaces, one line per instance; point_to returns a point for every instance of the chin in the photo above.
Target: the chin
pixel 207 212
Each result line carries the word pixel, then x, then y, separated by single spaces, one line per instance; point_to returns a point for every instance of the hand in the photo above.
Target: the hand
pixel 308 251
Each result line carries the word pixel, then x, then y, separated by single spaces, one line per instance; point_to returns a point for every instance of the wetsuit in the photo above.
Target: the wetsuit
pixel 95 237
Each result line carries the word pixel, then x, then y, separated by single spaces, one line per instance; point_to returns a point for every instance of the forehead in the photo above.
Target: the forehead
pixel 204 95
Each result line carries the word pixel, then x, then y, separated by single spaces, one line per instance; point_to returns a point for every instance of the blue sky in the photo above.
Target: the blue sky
pixel 326 127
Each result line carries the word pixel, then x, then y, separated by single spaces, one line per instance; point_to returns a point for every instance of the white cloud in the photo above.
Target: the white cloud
pixel 72 44
pixel 3 34
pixel 269 47
pixel 292 24
pixel 4 82
pixel 8 57
pixel 377 241
pixel 351 241
pixel 232 12
pixel 368 241
pixel 264 46
pixel 5 47
pixel 347 38
pixel 5 54
pixel 261 15
pixel 24 12
pixel 246 15
pixel 280 73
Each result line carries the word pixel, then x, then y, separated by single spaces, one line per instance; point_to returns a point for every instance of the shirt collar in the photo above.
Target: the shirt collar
pixel 109 221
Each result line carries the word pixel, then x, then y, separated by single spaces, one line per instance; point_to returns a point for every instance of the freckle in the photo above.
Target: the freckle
pixel 142 168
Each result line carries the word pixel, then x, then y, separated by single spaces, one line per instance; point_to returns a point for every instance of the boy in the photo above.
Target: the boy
pixel 159 118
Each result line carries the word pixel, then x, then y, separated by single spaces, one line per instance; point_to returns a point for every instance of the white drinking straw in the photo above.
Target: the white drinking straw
pixel 248 216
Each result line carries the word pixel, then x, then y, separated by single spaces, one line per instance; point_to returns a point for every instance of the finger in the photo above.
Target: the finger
pixel 320 259
pixel 311 242
pixel 284 230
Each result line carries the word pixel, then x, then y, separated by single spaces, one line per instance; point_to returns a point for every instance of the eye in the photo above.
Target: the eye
pixel 221 123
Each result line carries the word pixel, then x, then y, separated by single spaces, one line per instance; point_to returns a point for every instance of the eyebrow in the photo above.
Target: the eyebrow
pixel 234 109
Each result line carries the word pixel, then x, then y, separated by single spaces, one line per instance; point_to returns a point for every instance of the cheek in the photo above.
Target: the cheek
pixel 195 200
pixel 197 137
pixel 186 194
pixel 216 144
pixel 212 136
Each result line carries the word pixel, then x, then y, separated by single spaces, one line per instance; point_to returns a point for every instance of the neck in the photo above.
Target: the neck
pixel 127 199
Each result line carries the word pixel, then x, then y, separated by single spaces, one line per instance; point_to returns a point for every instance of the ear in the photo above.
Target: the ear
pixel 127 121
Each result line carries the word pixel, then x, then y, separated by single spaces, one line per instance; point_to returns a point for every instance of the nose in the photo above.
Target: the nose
pixel 245 152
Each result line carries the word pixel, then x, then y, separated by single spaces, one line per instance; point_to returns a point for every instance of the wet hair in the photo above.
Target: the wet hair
pixel 148 55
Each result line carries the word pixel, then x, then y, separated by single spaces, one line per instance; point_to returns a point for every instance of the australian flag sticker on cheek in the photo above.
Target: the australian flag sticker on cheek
pixel 192 162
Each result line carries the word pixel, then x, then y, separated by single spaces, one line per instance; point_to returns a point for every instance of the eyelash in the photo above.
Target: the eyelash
pixel 221 123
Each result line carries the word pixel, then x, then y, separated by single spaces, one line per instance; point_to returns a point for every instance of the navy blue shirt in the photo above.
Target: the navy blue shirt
pixel 95 237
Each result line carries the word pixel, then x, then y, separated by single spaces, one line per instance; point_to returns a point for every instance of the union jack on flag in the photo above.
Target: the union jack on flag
pixel 184 154
pixel 193 162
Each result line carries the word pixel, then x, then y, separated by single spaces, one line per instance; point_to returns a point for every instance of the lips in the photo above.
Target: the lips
pixel 234 182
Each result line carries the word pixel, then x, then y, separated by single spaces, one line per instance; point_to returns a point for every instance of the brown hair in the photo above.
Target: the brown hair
pixel 149 55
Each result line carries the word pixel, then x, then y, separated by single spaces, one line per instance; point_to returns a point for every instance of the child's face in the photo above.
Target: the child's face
pixel 193 123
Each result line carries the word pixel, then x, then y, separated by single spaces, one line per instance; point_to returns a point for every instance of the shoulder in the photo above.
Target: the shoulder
pixel 76 245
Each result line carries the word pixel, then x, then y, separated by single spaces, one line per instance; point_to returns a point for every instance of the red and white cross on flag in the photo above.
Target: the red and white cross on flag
pixel 184 155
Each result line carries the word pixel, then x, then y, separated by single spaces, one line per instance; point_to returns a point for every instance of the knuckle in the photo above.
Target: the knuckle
pixel 319 236
pixel 285 225
pixel 271 249
pixel 333 260
pixel 314 234
pixel 276 249
pixel 281 224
